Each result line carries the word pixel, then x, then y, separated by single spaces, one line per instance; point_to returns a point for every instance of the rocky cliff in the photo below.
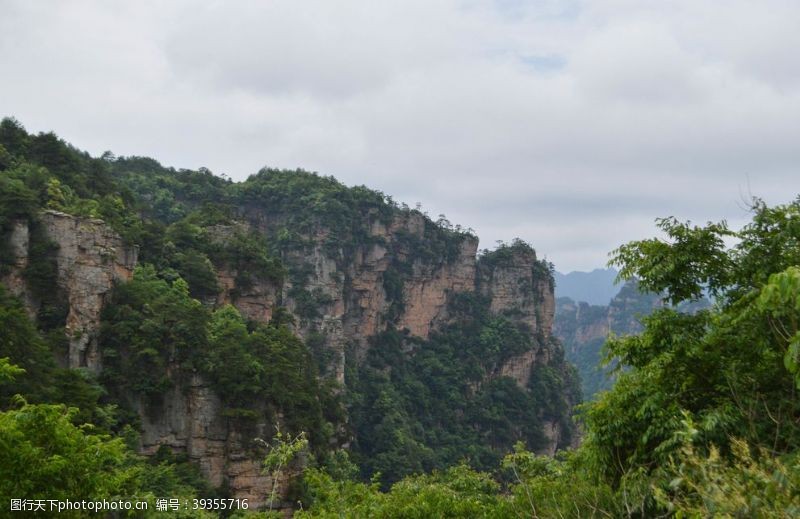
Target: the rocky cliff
pixel 358 291
pixel 583 329
pixel 89 258
pixel 515 290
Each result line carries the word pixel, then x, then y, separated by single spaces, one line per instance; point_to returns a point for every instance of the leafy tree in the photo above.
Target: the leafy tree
pixel 283 450
pixel 45 456
pixel 150 325
pixel 456 492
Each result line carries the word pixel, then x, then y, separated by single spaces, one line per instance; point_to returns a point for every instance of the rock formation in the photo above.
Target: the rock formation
pixel 90 258
pixel 358 290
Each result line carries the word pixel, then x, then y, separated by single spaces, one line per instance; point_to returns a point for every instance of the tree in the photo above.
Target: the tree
pixel 730 370
pixel 44 456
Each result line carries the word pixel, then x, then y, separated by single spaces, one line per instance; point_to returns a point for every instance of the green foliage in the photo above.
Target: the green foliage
pixel 17 203
pixel 456 492
pixel 41 379
pixel 45 456
pixel 21 345
pixel 505 254
pixel 155 335
pixel 269 364
pixel 149 326
pixel 422 405
pixel 311 201
pixel 248 255
pixel 730 371
pixel 563 487
pixel 739 485
pixel 283 450
pixel 693 258
pixel 8 371
pixel 780 301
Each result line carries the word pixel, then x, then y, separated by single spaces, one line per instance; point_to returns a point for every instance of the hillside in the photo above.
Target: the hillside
pixel 208 313
pixel 290 346
pixel 583 330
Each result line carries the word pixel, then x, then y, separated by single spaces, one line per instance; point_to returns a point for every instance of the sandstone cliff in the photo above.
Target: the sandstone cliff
pixel 89 258
pixel 393 278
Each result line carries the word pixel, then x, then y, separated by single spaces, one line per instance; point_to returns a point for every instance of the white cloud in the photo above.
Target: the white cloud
pixel 571 124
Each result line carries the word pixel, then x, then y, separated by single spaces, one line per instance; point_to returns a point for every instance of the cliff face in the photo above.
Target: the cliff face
pixel 583 329
pixel 348 283
pixel 89 258
pixel 358 290
pixel 14 279
pixel 516 291
pixel 191 419
pixel 520 289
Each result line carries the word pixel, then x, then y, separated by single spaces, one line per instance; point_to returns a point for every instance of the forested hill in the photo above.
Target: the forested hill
pixel 583 329
pixel 195 316
pixel 292 343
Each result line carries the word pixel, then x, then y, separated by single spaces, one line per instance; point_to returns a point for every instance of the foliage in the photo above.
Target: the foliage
pixel 730 370
pixel 743 484
pixel 780 301
pixel 457 492
pixel 421 405
pixel 154 335
pixel 45 456
pixel 562 487
pixel 283 450
pixel 41 379
pixel 150 325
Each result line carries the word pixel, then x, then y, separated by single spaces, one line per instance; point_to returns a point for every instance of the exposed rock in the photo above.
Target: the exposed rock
pixel 427 292
pixel 14 280
pixel 350 289
pixel 352 303
pixel 519 292
pixel 255 301
pixel 190 419
pixel 90 258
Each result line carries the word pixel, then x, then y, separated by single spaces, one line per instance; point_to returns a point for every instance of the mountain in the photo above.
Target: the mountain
pixel 596 287
pixel 583 329
pixel 203 314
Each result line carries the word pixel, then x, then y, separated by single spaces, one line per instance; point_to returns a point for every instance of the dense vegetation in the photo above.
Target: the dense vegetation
pixel 578 324
pixel 434 408
pixel 584 330
pixel 702 420
pixel 440 405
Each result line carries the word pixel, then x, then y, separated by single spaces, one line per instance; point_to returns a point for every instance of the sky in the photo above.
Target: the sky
pixel 570 124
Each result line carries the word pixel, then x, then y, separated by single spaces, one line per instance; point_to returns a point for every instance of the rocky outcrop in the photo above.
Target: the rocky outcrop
pixel 14 279
pixel 403 275
pixel 519 290
pixel 349 287
pixel 190 419
pixel 255 300
pixel 90 257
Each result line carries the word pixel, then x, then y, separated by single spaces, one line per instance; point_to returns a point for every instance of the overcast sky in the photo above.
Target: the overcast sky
pixel 571 124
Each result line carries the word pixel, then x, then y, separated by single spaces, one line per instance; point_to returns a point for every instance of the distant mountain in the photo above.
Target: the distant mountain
pixel 596 287
pixel 583 329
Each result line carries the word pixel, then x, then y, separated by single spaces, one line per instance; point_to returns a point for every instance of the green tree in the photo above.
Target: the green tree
pixel 43 455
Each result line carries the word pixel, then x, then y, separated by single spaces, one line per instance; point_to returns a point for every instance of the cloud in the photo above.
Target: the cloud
pixel 570 124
